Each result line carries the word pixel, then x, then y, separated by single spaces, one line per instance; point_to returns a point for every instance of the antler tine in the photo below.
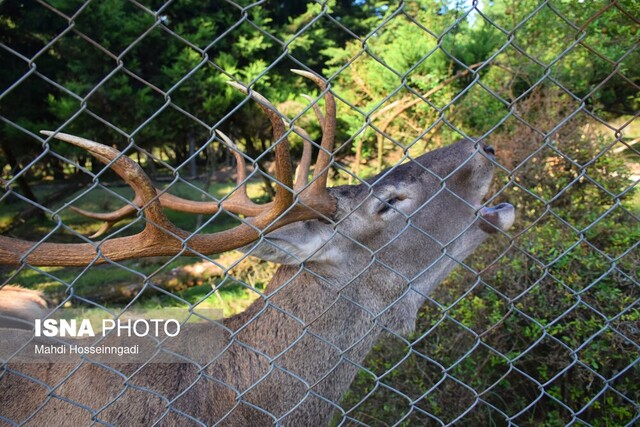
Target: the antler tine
pixel 115 216
pixel 302 171
pixel 110 218
pixel 316 109
pixel 240 195
pixel 283 198
pixel 242 164
pixel 321 173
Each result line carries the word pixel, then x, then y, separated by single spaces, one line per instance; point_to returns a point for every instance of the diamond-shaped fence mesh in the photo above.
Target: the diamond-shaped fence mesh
pixel 402 296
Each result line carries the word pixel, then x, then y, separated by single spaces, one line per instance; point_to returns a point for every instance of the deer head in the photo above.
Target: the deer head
pixel 401 232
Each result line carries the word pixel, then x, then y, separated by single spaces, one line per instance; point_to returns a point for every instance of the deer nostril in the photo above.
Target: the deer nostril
pixel 489 150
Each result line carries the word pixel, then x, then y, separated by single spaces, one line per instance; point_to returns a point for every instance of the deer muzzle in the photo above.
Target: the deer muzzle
pixel 499 217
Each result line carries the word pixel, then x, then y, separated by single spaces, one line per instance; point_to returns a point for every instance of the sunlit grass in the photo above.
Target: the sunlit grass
pixel 230 299
pixel 184 287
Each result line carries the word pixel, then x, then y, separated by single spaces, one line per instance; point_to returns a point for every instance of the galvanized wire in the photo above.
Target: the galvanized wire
pixel 545 397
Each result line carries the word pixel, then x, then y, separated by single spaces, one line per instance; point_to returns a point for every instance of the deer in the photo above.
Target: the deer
pixel 354 261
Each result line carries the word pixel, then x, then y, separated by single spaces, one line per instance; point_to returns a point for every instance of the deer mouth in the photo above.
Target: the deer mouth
pixel 499 217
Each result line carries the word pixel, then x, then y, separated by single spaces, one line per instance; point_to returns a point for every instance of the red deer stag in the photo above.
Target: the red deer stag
pixel 354 260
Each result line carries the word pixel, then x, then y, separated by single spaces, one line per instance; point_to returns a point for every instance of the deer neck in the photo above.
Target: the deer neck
pixel 304 341
pixel 299 301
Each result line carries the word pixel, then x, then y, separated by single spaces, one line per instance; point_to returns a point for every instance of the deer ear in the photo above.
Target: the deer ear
pixel 293 244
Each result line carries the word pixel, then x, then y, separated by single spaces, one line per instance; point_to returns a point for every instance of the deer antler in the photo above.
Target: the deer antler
pixel 160 236
pixel 239 201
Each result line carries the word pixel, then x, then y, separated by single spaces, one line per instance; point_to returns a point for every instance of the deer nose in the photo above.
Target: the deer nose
pixel 489 150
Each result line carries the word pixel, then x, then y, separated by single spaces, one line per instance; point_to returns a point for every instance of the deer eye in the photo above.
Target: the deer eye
pixel 386 206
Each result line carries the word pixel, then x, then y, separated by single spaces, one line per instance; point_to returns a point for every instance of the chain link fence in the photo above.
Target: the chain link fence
pixel 539 326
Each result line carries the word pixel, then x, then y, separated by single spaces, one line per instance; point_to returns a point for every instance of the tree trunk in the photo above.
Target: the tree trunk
pixel 192 156
pixel 358 160
pixel 15 166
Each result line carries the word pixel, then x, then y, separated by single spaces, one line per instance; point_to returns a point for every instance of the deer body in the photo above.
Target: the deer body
pixel 291 356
